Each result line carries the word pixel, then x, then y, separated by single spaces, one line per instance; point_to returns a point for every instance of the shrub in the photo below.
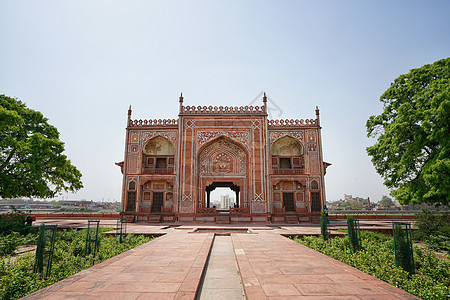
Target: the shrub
pixel 434 229
pixel 14 222
pixel 376 258
pixel 17 278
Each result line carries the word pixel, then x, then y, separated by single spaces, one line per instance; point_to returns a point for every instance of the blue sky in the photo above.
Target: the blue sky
pixel 81 63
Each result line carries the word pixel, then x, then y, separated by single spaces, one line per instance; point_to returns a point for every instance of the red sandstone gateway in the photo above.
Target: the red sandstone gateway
pixel 275 167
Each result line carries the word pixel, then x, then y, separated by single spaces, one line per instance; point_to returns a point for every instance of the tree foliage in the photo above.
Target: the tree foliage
pixel 386 201
pixel 412 150
pixel 32 162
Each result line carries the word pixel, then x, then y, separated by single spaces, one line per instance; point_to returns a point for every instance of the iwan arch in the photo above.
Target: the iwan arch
pixel 275 167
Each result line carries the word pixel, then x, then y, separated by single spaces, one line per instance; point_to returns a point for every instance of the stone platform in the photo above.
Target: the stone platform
pixel 173 266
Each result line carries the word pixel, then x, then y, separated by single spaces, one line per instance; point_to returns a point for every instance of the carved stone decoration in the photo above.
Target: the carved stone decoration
pixel 259 198
pixel 170 135
pixel 222 109
pixel 310 136
pixel 223 157
pixel 313 165
pixel 134 137
pixel 134 148
pixel 241 136
pixel 132 178
pixel 222 163
pixel 258 207
pixel 315 184
pixel 132 164
pixel 276 135
pixel 189 124
pixel 312 147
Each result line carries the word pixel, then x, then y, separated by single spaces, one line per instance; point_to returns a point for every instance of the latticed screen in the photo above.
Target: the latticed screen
pixel 131 203
pixel 315 202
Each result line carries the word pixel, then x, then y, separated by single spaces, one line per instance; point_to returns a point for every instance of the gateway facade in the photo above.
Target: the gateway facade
pixel 274 168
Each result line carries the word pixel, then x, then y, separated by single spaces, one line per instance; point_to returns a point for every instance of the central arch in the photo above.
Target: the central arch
pixel 235 188
pixel 222 163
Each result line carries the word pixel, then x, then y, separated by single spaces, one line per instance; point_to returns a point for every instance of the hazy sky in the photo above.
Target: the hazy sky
pixel 82 63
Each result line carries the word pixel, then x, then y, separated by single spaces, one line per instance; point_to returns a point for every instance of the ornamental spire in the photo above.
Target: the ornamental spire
pixel 181 103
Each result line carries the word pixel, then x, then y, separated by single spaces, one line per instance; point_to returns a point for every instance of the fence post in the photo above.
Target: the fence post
pixel 44 250
pixel 403 246
pixel 92 237
pixel 121 228
pixel 324 230
pixel 354 235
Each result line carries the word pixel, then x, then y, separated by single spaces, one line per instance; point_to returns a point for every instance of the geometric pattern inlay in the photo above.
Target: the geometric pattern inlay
pixel 259 198
pixel 240 136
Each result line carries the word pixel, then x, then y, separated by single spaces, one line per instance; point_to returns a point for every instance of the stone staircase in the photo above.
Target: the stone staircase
pixel 154 219
pixel 291 219
pixel 222 219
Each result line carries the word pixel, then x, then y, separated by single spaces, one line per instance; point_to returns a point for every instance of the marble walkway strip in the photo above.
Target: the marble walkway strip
pixel 221 280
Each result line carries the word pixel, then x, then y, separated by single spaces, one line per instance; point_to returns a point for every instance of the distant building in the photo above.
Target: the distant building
pixel 226 201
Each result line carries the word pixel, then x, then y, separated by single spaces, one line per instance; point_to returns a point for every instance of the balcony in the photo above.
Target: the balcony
pixel 288 171
pixel 157 171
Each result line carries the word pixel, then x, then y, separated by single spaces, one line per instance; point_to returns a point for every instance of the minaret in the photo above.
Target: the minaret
pixel 181 103
pixel 265 102
pixel 129 116
pixel 317 116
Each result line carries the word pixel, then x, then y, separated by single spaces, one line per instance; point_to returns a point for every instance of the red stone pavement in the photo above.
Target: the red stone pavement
pixel 275 267
pixel 271 267
pixel 169 267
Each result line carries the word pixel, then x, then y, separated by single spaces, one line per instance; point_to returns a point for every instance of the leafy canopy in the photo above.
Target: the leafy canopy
pixel 31 159
pixel 386 201
pixel 412 150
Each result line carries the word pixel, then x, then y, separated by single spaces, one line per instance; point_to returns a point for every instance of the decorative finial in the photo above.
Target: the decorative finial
pixel 181 98
pixel 129 110
pixel 265 98
pixel 317 110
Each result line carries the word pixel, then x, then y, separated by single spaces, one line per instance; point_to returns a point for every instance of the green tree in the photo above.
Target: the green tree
pixel 386 201
pixel 355 204
pixel 412 151
pixel 31 159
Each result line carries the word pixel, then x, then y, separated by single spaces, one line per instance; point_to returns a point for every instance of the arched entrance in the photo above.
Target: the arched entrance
pixel 222 164
pixel 235 188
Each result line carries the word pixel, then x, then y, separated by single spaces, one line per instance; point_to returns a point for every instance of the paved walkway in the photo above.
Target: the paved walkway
pixel 222 280
pixel 271 266
pixel 274 267
pixel 169 267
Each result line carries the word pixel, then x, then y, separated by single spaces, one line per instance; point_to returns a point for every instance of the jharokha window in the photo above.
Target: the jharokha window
pixel 158 156
pixel 287 153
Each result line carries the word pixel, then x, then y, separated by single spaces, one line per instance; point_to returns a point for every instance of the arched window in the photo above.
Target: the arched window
pixel 159 146
pixel 287 153
pixel 132 186
pixel 159 153
pixel 314 185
